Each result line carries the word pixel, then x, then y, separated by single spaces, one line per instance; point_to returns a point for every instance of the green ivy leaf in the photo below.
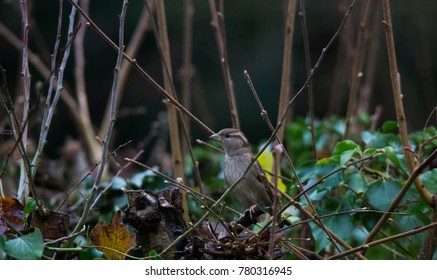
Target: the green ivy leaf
pixel 429 178
pixel 344 146
pixel 342 225
pixel 138 179
pixel 345 150
pixel 390 153
pixel 379 141
pixel 367 136
pixel 333 181
pixel 308 171
pixel 147 179
pixel 369 151
pixel 357 182
pixel 346 156
pixel 410 222
pixel 360 233
pixel 365 119
pixel 2 247
pixel 154 255
pixel 26 247
pixel 389 126
pixel 320 237
pixel 119 183
pixel 91 254
pixel 30 206
pixel 381 193
pixel 324 161
pixel 315 195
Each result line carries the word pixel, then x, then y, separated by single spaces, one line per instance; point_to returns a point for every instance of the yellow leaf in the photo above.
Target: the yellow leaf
pixel 113 239
pixel 323 161
pixel 266 161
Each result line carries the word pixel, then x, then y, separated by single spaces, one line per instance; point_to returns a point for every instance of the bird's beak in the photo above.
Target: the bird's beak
pixel 216 137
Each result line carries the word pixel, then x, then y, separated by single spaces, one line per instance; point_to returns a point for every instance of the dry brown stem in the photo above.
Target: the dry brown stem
pixel 357 71
pixel 284 94
pixel 397 96
pixel 175 141
pixel 217 21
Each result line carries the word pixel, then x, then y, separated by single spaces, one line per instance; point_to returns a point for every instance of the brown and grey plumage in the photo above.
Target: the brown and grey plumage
pixel 254 188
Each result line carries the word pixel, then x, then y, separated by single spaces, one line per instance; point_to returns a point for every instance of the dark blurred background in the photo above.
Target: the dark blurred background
pixel 254 34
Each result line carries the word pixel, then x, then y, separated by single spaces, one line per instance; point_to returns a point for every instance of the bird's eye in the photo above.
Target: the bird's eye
pixel 227 136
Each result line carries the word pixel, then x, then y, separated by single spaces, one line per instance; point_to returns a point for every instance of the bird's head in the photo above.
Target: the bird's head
pixel 232 140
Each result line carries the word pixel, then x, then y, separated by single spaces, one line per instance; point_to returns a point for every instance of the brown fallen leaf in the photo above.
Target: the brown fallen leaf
pixel 113 238
pixel 53 226
pixel 11 215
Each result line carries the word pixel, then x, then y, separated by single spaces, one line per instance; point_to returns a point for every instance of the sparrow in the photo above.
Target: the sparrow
pixel 255 188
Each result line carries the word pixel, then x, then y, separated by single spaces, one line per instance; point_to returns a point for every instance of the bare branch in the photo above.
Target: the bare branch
pixel 218 23
pixel 108 135
pixel 397 96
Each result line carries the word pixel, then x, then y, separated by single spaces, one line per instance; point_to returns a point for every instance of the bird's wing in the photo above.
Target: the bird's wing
pixel 261 177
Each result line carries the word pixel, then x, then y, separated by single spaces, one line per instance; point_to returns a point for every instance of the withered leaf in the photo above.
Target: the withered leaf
pixel 11 215
pixel 53 226
pixel 113 238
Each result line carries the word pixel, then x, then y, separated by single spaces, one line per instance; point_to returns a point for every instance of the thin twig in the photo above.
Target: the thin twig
pixel 186 69
pixel 6 102
pixel 264 115
pixel 77 184
pixel 319 61
pixel 186 75
pixel 201 142
pixel 107 139
pixel 2 193
pixel 351 211
pixel 164 48
pixel 344 167
pixel 309 78
pixel 114 177
pixel 142 72
pixel 185 188
pixel 53 72
pixel 284 96
pixel 65 237
pixel 411 179
pixel 356 71
pixel 81 248
pixel 23 188
pixel 17 133
pixel 332 236
pixel 397 96
pixel 430 244
pixel 173 115
pixel 217 22
pixel 287 62
pixel 306 46
pixel 427 141
pixel 381 241
pixel 79 70
pixel 132 49
pixel 196 195
pixel 52 103
pixel 83 124
pixel 371 61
